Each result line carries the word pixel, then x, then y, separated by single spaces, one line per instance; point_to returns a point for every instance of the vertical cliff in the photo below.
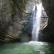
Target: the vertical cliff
pixel 49 30
pixel 11 19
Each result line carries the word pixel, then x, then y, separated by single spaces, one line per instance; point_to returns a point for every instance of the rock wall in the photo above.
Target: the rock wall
pixel 16 20
pixel 49 30
pixel 11 19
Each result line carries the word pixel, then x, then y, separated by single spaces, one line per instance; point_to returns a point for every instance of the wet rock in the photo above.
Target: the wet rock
pixel 11 19
pixel 49 30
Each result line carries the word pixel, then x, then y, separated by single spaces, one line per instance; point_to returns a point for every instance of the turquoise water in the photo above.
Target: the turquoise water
pixel 27 48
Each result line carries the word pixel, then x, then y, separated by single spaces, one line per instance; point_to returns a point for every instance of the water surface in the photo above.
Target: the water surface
pixel 31 47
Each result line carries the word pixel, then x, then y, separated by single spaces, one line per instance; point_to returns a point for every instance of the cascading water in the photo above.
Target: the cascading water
pixel 37 12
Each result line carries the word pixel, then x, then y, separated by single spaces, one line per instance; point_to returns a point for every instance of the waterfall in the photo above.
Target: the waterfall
pixel 37 12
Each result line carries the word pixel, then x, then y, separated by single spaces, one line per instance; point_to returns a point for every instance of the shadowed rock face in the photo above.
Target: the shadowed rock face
pixel 11 19
pixel 49 30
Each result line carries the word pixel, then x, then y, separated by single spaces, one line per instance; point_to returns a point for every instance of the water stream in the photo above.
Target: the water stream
pixel 37 12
